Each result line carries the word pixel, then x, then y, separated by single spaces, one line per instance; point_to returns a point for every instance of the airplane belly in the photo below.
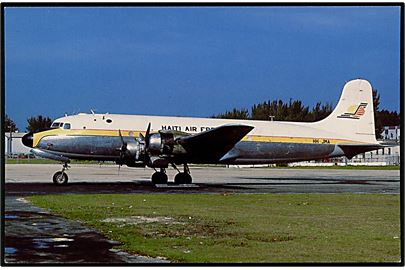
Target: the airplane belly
pixel 82 145
pixel 259 152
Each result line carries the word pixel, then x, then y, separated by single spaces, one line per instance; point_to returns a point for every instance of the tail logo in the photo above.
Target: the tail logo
pixel 354 111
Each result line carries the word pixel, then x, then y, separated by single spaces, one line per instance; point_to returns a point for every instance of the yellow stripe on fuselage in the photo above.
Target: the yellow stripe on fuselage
pixel 83 132
pixel 133 133
pixel 284 139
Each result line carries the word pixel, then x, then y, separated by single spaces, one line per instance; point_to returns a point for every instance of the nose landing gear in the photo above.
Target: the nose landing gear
pixel 61 178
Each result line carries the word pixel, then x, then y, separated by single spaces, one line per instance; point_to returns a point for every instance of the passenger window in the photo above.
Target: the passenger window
pixel 66 126
pixel 109 121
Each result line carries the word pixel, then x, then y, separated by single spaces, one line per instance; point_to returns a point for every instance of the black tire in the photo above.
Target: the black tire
pixel 60 178
pixel 159 178
pixel 182 178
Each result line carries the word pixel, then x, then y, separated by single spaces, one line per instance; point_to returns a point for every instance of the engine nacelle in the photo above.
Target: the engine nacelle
pixel 154 152
pixel 161 143
pixel 134 149
pixel 133 155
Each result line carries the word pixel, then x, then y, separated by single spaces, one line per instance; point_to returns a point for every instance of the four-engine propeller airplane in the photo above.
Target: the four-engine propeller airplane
pixel 157 142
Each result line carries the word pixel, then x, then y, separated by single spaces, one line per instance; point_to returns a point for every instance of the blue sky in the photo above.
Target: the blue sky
pixel 195 61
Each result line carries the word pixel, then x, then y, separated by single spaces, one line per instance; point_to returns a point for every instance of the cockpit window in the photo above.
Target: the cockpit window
pixel 55 125
pixel 66 126
pixel 60 124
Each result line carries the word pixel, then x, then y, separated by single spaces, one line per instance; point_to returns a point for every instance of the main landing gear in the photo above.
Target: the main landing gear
pixel 61 178
pixel 183 177
pixel 160 177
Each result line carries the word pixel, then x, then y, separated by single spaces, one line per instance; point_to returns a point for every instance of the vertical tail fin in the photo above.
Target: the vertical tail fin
pixel 353 116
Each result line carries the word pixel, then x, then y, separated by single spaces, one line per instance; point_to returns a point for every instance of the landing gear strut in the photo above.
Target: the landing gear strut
pixel 183 177
pixel 159 177
pixel 61 178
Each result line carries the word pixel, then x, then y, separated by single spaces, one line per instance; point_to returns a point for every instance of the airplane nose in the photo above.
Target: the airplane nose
pixel 28 139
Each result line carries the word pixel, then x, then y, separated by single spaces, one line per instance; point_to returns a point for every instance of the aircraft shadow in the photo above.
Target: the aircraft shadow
pixel 145 186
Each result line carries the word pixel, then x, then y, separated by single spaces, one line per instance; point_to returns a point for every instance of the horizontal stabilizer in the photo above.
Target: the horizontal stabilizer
pixel 352 150
pixel 214 143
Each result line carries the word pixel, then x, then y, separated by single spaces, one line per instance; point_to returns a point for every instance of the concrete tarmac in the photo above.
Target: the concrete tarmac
pixel 37 179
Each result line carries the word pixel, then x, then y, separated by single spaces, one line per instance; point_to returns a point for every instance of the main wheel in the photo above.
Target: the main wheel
pixel 159 178
pixel 182 178
pixel 60 178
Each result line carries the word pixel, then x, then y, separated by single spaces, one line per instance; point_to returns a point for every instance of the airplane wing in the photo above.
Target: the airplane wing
pixel 214 143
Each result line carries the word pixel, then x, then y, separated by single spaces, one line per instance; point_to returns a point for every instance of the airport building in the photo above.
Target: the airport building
pixel 391 133
pixel 13 146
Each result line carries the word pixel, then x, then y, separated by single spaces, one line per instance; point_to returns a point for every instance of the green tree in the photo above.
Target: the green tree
pixel 9 124
pixel 297 111
pixel 320 111
pixel 234 114
pixel 38 123
pixel 379 126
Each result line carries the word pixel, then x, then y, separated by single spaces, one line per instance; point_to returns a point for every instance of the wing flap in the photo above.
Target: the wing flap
pixel 214 143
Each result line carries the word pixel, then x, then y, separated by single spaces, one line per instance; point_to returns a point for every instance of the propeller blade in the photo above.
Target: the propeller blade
pixel 123 146
pixel 147 130
pixel 122 139
pixel 147 137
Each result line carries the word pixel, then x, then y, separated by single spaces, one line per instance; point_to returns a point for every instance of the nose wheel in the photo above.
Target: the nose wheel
pixel 60 178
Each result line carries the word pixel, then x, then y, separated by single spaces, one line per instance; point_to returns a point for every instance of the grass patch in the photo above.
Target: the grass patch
pixel 242 227
pixel 31 161
pixel 347 167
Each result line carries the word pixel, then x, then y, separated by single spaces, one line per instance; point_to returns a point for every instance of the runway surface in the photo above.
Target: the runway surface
pixel 36 179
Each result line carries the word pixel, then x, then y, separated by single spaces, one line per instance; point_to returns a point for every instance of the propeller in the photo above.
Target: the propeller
pixel 122 150
pixel 141 140
pixel 145 141
pixel 146 138
pixel 123 147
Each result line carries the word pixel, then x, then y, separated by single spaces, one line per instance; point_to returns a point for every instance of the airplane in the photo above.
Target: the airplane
pixel 349 130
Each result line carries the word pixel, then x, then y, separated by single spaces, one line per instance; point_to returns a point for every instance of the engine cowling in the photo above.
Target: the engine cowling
pixel 135 149
pixel 133 155
pixel 155 152
pixel 161 144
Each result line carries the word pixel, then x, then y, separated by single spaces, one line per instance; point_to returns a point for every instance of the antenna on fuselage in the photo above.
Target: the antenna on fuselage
pixel 92 111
